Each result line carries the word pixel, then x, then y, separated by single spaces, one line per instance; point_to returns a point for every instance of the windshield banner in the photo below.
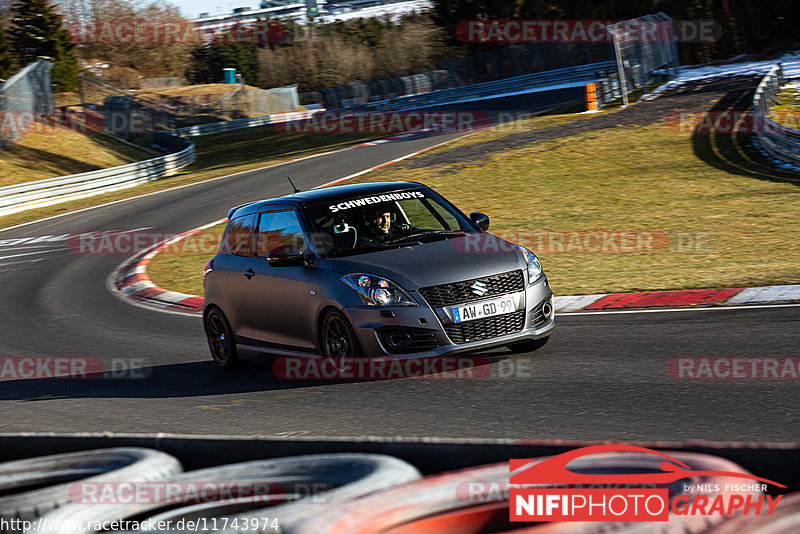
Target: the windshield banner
pixel 377 199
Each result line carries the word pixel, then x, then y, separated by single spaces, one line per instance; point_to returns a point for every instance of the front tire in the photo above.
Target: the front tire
pixel 528 346
pixel 339 342
pixel 221 341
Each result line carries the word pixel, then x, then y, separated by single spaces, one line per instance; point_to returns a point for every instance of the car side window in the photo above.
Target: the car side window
pixel 240 235
pixel 279 233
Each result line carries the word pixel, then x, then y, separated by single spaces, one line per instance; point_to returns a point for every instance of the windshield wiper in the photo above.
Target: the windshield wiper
pixel 414 235
pixel 427 233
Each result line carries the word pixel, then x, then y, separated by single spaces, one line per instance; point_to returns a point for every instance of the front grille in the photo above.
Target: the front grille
pixel 458 292
pixel 488 328
pixel 419 339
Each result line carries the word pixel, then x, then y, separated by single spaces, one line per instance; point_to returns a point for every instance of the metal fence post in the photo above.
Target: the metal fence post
pixel 620 67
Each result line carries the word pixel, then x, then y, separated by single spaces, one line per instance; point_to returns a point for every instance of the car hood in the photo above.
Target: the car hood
pixel 439 262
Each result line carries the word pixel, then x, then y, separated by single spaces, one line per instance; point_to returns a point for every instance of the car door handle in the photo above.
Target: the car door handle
pixel 249 273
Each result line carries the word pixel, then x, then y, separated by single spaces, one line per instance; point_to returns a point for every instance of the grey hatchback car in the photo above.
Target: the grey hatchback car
pixel 379 270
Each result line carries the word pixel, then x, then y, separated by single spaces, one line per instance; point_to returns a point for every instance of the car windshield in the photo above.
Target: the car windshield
pixel 367 223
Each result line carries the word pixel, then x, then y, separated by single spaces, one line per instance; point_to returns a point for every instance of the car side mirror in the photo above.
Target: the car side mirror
pixel 481 220
pixel 286 256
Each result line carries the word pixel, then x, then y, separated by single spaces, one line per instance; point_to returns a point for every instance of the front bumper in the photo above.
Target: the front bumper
pixel 372 324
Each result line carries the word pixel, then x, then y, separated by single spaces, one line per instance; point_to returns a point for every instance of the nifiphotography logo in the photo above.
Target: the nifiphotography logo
pixel 624 497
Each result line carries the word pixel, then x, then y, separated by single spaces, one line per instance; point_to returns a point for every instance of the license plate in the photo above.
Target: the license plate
pixel 481 310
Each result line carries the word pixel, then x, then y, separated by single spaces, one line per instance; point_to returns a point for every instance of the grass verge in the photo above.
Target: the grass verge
pixel 180 267
pixel 721 223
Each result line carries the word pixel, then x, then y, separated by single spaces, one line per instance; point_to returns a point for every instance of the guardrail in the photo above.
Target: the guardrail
pixel 25 196
pixel 508 86
pixel 41 193
pixel 777 140
pixel 250 122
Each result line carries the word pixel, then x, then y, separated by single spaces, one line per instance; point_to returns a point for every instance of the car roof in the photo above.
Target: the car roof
pixel 325 195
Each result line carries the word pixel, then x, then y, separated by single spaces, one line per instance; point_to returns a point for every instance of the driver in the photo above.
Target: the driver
pixel 381 222
pixel 379 227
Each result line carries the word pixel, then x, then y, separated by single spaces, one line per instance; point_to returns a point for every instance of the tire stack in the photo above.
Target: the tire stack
pixel 336 494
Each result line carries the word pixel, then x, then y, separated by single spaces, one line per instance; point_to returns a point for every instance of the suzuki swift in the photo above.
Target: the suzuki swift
pixel 380 270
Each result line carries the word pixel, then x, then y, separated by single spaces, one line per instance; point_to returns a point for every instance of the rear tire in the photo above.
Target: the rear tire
pixel 528 346
pixel 221 341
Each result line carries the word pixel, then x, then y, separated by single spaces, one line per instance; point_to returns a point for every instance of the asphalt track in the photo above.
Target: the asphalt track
pixel 603 376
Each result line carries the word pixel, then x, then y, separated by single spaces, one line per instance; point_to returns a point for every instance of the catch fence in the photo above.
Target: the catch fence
pixel 24 98
pixel 136 116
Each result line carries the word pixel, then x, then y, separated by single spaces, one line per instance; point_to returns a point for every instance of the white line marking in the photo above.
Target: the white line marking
pixel 29 254
pixel 31 247
pixel 20 262
pixel 351 176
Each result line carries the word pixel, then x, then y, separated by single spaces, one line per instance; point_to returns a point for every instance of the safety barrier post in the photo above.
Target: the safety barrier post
pixel 591 97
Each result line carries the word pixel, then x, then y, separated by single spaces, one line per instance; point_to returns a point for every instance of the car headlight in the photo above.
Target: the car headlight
pixel 534 266
pixel 378 291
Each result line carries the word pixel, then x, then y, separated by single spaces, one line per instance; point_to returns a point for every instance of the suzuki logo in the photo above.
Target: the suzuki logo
pixel 479 288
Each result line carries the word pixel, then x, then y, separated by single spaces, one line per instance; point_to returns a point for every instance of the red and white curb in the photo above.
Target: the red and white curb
pixel 689 298
pixel 130 280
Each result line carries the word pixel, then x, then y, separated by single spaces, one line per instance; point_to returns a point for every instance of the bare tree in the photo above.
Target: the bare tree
pixel 316 63
pixel 415 43
pixel 325 61
pixel 150 59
